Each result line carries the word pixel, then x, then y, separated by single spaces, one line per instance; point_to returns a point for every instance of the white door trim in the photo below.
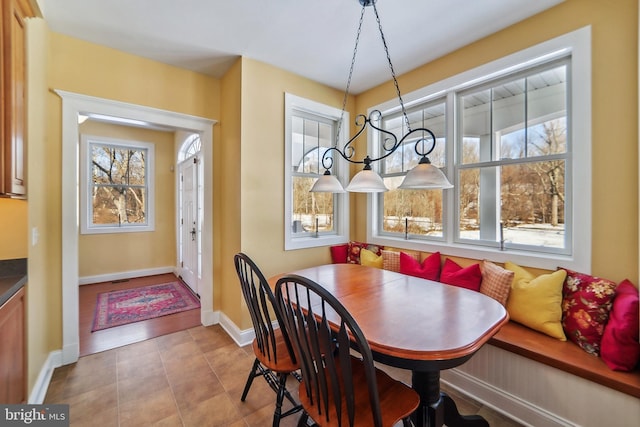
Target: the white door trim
pixel 72 105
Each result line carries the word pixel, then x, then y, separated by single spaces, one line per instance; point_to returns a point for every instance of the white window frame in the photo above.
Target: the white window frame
pixel 292 240
pixel 577 44
pixel 86 211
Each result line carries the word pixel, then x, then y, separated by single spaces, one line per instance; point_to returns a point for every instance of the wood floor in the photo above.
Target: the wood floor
pixel 107 339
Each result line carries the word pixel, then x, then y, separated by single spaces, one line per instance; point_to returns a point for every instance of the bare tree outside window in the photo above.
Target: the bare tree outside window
pixel 118 185
pixel 414 212
pixel 312 212
pixel 509 161
pixel 513 161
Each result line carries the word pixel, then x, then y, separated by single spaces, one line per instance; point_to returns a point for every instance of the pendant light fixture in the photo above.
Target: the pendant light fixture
pixel 423 176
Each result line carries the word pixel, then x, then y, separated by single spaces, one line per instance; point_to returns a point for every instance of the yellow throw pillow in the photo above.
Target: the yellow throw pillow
pixel 536 302
pixel 370 259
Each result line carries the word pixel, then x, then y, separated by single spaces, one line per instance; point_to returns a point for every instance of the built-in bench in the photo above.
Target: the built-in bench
pixel 566 356
pixel 541 381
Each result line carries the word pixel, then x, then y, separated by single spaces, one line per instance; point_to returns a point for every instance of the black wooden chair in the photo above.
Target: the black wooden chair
pixel 274 355
pixel 338 388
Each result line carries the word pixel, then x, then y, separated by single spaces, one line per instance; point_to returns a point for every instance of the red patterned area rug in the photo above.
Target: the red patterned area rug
pixel 118 308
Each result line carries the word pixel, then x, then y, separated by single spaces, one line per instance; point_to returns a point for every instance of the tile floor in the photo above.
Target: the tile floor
pixel 189 378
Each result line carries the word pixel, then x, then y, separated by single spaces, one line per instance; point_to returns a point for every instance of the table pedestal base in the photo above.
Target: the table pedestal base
pixel 437 408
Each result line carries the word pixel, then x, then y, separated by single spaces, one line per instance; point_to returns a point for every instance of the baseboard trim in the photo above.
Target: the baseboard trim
pixel 209 317
pixel 241 337
pixel 39 392
pixel 500 401
pixel 86 280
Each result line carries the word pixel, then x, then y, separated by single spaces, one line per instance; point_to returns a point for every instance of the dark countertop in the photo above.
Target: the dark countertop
pixel 13 276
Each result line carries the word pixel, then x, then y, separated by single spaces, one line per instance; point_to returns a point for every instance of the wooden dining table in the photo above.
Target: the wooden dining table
pixel 415 324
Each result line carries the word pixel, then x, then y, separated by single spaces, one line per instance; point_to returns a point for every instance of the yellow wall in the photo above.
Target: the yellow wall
pixel 262 163
pixel 226 197
pixel 255 160
pixel 249 146
pixel 614 114
pixel 13 229
pixel 120 252
pixel 43 296
pixel 60 62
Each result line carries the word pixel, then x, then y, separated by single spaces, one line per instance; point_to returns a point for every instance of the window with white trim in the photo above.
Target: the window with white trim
pixel 311 219
pixel 511 168
pixel 116 186
pixel 511 143
pixel 413 213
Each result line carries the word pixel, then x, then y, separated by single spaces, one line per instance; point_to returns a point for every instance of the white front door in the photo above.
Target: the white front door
pixel 189 230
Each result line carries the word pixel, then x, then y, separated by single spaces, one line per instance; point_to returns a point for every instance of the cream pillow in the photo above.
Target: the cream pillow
pixel 496 281
pixel 536 301
pixel 370 259
pixel 391 259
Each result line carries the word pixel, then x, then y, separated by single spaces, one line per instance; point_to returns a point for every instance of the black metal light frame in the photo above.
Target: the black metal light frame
pixel 390 142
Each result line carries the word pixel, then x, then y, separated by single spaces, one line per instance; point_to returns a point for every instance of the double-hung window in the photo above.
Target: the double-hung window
pixel 413 213
pixel 312 219
pixel 511 167
pixel 116 186
pixel 514 139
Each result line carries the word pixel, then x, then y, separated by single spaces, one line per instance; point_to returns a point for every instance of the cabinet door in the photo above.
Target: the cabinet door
pixel 15 96
pixel 12 350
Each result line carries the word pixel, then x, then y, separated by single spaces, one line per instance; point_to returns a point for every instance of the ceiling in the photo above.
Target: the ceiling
pixel 311 38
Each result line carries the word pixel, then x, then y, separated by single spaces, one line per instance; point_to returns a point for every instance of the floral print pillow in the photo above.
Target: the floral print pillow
pixel 586 304
pixel 353 251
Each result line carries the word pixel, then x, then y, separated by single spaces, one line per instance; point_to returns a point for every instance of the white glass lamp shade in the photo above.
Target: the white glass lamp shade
pixel 367 181
pixel 425 176
pixel 327 183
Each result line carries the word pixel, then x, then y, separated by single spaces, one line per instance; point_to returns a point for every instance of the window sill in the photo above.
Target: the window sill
pixel 116 230
pixel 314 242
pixel 546 261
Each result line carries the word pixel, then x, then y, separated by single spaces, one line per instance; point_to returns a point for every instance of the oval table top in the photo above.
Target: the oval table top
pixel 410 318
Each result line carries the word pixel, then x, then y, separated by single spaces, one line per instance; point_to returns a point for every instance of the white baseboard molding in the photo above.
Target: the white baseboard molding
pixel 503 402
pixel 241 337
pixel 123 275
pixel 39 392
pixel 209 317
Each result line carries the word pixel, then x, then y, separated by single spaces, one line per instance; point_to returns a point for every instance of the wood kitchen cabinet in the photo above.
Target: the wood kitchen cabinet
pixel 13 77
pixel 13 367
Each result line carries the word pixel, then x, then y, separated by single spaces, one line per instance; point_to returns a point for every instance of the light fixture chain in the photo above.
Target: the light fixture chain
pixel 353 62
pixel 367 180
pixel 393 73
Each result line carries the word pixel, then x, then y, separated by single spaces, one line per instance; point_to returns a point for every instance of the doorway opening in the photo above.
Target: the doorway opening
pixel 190 212
pixel 74 105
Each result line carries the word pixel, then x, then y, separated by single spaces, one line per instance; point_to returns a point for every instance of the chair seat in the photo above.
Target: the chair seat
pixel 284 363
pixel 397 400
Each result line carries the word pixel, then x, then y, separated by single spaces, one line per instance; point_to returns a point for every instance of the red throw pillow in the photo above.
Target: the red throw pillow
pixel 339 253
pixel 469 277
pixel 353 251
pixel 586 303
pixel 620 348
pixel 429 269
